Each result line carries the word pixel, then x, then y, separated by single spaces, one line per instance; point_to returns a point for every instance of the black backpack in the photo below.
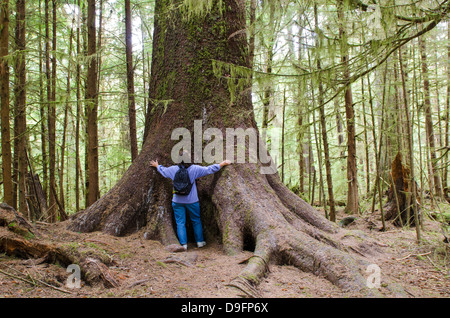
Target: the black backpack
pixel 181 183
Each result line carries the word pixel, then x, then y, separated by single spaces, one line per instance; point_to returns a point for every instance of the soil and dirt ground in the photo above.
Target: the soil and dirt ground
pixel 145 268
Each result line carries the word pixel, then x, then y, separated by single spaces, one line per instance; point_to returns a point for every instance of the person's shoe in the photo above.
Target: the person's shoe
pixel 185 246
pixel 201 244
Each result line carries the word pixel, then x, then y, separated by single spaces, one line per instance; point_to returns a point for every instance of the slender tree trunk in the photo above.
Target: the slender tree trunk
pixel 130 81
pixel 15 154
pixel 415 101
pixel 438 109
pixel 98 49
pixel 324 129
pixel 366 141
pixel 77 121
pixel 301 114
pixel 269 47
pixel 339 126
pixel 91 106
pixel 252 26
pixel 447 119
pixel 399 114
pixel 374 137
pixel 51 91
pixel 42 108
pixel 20 93
pixel 377 150
pixel 352 177
pixel 318 149
pixel 242 205
pixel 410 137
pixel 51 204
pixel 66 111
pixel 4 97
pixel 429 121
pixel 283 113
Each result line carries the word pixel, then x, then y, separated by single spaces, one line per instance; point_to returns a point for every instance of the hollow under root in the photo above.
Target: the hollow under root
pixel 339 267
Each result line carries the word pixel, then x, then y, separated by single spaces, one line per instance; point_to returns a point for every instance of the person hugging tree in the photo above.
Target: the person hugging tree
pixel 185 196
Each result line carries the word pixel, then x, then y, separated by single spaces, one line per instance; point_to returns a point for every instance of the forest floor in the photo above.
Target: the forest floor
pixel 144 268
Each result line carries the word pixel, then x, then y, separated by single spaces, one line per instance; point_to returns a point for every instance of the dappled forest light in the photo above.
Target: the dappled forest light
pixel 307 56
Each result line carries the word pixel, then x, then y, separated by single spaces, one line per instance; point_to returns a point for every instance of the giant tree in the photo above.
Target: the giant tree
pixel 242 207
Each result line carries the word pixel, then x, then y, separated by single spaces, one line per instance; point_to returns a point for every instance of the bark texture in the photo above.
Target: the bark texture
pixel 130 80
pixel 396 208
pixel 352 179
pixel 91 106
pixel 241 207
pixel 4 100
pixel 20 93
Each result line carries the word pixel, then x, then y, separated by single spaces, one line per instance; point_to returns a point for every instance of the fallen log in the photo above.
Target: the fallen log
pixel 18 239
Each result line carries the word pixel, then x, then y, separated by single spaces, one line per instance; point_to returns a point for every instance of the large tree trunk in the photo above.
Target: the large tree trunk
pixel 242 207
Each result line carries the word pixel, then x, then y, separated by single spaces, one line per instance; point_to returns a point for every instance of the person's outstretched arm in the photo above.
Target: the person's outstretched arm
pixel 200 171
pixel 168 172
pixel 225 163
pixel 154 163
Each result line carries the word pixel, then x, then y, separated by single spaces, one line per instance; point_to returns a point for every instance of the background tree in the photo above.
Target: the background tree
pixel 91 105
pixel 4 96
pixel 352 178
pixel 130 80
pixel 20 107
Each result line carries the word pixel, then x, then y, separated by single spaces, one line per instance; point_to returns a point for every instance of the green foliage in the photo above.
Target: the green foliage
pixel 288 46
pixel 195 8
pixel 236 77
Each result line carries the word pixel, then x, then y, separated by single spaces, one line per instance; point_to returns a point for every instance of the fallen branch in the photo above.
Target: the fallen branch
pixel 139 282
pixel 400 259
pixel 34 283
pixel 97 241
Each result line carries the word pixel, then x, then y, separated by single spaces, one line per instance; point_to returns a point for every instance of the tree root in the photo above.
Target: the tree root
pixel 288 231
pixel 243 284
pixel 248 280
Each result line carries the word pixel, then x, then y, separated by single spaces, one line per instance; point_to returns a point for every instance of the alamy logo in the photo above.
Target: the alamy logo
pixel 374 278
pixel 74 280
pixel 241 146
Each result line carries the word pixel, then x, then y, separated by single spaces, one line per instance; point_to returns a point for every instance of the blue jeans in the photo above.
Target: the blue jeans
pixel 193 209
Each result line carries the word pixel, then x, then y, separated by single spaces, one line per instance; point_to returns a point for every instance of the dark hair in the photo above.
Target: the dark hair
pixel 184 153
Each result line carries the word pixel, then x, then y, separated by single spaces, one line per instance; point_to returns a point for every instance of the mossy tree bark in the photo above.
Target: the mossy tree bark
pixel 243 208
